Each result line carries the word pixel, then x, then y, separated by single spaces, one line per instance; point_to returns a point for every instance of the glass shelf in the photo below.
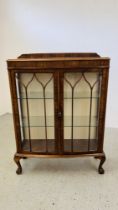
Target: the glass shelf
pixel 79 95
pixel 67 95
pixel 37 95
pixel 80 98
pixel 79 121
pixel 38 121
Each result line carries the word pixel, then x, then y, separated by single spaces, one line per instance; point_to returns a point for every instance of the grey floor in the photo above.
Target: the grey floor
pixel 57 184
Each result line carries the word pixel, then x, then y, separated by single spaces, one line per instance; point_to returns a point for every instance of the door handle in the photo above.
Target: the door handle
pixel 59 114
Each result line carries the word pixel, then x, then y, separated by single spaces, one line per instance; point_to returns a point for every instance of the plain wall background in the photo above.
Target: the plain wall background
pixel 60 26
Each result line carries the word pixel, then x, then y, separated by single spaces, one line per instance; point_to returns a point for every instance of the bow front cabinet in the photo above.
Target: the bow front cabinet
pixel 59 103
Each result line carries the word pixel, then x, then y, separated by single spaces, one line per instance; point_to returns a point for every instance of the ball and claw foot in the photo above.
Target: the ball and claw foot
pixel 102 160
pixel 101 170
pixel 17 161
pixel 19 170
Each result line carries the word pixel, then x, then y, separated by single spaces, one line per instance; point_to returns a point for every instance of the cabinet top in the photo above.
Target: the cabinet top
pixel 58 55
pixel 58 60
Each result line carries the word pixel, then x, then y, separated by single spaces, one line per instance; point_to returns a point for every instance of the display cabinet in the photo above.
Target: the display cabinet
pixel 59 103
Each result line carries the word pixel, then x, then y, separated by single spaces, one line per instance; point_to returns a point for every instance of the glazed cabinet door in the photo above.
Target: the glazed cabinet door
pixel 81 99
pixel 37 106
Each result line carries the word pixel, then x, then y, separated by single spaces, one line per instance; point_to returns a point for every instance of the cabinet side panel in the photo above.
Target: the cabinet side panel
pixel 102 109
pixel 15 110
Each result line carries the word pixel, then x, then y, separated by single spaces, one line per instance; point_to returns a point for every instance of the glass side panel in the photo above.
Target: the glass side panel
pixel 35 95
pixel 81 104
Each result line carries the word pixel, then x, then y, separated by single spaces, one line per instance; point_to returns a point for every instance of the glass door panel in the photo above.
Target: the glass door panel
pixel 81 104
pixel 35 93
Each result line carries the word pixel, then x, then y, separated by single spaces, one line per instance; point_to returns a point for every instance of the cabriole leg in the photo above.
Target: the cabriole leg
pixel 17 161
pixel 102 160
pixel 100 169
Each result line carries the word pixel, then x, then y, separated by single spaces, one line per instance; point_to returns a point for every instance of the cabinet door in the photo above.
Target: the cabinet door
pixel 37 98
pixel 81 111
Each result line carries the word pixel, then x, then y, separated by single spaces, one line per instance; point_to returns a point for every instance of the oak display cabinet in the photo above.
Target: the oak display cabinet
pixel 59 103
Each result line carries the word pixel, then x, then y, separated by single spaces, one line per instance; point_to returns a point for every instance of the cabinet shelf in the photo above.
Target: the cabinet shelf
pixel 36 95
pixel 81 94
pixel 49 95
pixel 79 145
pixel 79 121
pixel 81 98
pixel 38 121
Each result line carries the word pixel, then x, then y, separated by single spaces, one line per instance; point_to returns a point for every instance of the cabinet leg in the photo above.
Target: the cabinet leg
pixel 17 161
pixel 102 160
pixel 100 169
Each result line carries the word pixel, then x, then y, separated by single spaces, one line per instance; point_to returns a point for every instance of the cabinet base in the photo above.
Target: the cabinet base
pixel 19 156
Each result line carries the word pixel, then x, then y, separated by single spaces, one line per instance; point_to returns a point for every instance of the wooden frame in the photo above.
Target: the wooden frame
pixel 58 64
